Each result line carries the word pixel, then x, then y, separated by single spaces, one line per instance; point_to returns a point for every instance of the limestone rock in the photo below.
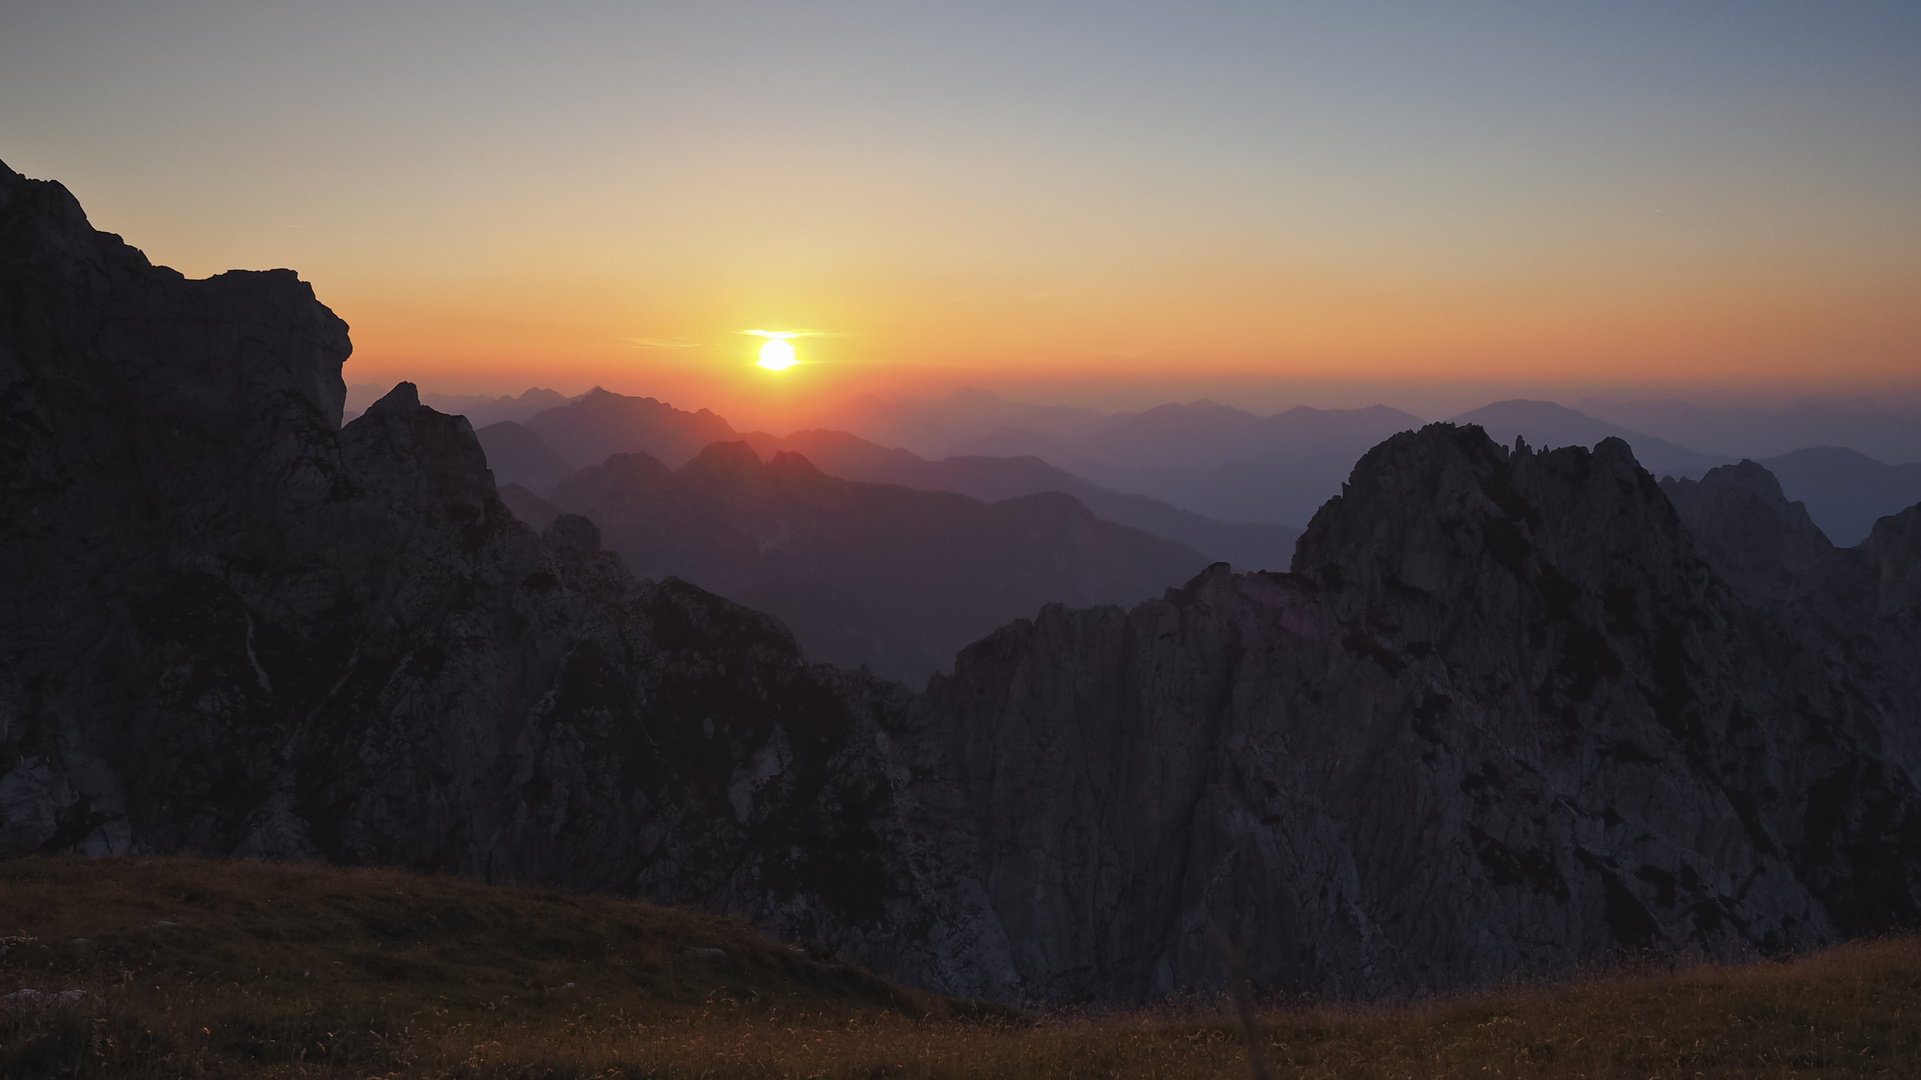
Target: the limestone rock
pixel 1503 715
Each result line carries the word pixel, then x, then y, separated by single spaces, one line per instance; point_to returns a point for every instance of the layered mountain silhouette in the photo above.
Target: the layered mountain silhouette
pixel 1881 431
pixel 479 409
pixel 1509 711
pixel 865 574
pixel 518 454
pixel 1543 423
pixel 1204 457
pixel 1247 546
pixel 1846 491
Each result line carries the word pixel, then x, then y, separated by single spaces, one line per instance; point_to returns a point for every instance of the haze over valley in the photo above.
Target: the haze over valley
pixel 857 539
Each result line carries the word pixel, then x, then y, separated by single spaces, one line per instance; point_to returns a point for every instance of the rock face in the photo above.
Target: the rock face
pixel 872 574
pixel 1762 544
pixel 1504 714
pixel 231 625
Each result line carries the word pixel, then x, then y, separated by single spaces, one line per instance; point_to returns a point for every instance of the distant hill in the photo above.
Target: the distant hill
pixel 516 455
pixel 1203 457
pixel 600 423
pixel 1545 424
pixel 991 479
pixel 941 427
pixel 872 574
pixel 605 421
pixel 480 410
pixel 1885 433
pixel 1845 490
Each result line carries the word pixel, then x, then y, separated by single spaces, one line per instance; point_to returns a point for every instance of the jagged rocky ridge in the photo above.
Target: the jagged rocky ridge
pixel 1504 715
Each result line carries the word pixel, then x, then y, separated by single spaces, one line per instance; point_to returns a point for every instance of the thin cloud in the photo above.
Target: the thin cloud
pixel 788 335
pixel 660 343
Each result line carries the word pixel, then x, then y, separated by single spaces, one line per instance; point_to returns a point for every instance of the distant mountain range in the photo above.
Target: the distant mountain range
pixel 538 454
pixel 479 409
pixel 1846 491
pixel 1205 457
pixel 1227 482
pixel 876 574
pixel 1880 432
pixel 1247 546
pixel 1511 713
pixel 1545 424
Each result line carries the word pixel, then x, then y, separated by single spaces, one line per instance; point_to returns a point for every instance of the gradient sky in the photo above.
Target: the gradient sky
pixel 1350 201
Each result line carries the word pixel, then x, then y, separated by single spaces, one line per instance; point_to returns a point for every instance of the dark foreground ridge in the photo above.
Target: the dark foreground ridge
pixel 1504 716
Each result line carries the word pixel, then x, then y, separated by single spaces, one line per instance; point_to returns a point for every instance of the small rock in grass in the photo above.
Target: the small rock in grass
pixel 706 952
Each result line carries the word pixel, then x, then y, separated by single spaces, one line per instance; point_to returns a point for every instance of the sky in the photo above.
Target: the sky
pixel 1113 203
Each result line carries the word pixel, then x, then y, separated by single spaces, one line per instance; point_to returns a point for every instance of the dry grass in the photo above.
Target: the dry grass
pixel 316 972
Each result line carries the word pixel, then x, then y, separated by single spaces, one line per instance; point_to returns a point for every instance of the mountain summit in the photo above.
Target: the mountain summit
pixel 1503 715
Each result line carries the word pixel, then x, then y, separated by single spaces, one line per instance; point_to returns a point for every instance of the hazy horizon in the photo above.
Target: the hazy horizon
pixel 1110 205
pixel 1429 402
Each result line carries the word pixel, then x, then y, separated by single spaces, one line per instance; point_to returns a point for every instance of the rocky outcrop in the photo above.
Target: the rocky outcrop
pixel 1503 714
pixel 1500 717
pixel 232 625
pixel 1761 544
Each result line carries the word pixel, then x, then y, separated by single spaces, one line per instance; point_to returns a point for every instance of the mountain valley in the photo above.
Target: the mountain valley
pixel 1505 713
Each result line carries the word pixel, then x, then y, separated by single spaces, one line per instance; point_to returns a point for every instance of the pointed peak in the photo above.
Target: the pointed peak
pixel 404 395
pixel 724 457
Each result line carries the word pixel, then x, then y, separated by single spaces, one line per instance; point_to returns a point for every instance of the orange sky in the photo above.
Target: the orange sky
pixel 1112 203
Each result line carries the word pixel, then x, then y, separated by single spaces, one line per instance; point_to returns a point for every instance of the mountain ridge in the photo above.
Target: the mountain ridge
pixel 1501 717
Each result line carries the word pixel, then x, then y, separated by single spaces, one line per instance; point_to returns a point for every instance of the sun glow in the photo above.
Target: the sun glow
pixel 777 355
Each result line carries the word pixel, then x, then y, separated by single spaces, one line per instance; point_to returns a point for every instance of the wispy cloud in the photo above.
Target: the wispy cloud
pixel 788 335
pixel 660 343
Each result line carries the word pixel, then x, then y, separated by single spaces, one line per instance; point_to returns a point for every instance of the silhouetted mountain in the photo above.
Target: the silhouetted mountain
pixel 863 573
pixel 1209 458
pixel 1846 491
pixel 935 428
pixel 1763 545
pixel 1877 431
pixel 518 456
pixel 1543 423
pixel 991 479
pixel 1503 715
pixel 600 423
pixel 602 419
pixel 529 507
pixel 480 410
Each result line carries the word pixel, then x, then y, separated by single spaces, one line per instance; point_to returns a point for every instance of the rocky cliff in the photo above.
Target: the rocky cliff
pixel 1503 715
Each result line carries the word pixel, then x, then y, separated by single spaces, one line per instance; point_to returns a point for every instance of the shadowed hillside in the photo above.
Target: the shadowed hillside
pixel 1509 712
pixel 991 479
pixel 170 967
pixel 865 573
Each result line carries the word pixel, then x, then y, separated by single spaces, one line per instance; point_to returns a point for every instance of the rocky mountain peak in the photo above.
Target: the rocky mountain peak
pixel 1758 541
pixel 725 462
pixel 1429 512
pixel 1502 718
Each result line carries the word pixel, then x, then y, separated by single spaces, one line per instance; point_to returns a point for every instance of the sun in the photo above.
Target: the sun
pixel 777 354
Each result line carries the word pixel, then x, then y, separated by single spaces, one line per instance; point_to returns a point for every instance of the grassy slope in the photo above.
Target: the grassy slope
pixel 322 972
